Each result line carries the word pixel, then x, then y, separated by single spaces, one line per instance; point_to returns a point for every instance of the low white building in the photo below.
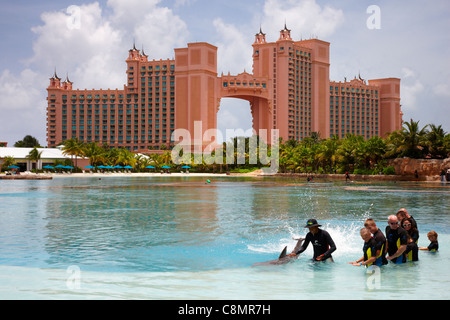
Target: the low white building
pixel 48 157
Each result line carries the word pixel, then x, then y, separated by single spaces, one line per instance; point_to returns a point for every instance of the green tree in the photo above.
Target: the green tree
pixel 435 142
pixel 28 142
pixel 413 139
pixel 34 156
pixel 74 148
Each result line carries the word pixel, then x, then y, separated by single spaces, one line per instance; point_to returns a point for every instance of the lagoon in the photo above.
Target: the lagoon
pixel 182 238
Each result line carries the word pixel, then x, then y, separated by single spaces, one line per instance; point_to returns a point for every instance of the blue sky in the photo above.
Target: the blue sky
pixel 412 44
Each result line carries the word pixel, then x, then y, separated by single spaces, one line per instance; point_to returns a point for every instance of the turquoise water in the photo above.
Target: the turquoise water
pixel 180 238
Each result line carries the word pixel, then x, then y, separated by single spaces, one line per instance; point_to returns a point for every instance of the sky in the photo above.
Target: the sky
pixel 89 42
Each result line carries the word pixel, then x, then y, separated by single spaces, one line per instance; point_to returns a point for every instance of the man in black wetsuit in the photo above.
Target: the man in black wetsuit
pixel 397 240
pixel 321 240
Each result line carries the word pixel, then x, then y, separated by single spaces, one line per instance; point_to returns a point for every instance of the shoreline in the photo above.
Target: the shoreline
pixel 257 173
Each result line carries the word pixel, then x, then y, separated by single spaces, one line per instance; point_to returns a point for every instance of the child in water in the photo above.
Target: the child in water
pixel 369 250
pixel 434 245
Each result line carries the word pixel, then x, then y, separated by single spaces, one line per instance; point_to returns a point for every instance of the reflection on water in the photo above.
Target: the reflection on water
pixel 173 225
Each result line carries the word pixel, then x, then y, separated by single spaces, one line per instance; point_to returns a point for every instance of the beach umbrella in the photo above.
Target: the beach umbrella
pixel 60 166
pixel 48 167
pixel 13 167
pixel 89 167
pixel 166 167
pixel 150 167
pixel 186 167
pixel 69 167
pixel 128 167
pixel 118 167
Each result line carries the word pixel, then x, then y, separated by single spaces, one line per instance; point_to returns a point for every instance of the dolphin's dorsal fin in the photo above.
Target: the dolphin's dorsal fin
pixel 283 254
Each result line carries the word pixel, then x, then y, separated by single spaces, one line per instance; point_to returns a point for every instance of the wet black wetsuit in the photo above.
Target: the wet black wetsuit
pixel 322 244
pixel 395 239
pixel 433 247
pixel 370 250
pixel 381 245
pixel 412 250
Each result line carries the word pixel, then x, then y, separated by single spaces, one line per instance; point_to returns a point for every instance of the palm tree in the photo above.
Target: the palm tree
pixel 435 141
pixel 413 139
pixel 73 147
pixel 328 152
pixel 34 156
pixel 95 154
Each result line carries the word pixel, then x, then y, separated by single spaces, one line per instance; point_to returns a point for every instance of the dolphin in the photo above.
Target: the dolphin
pixel 283 258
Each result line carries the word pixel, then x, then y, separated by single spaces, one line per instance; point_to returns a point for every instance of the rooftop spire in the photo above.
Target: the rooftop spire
pixel 55 76
pixel 67 78
pixel 143 52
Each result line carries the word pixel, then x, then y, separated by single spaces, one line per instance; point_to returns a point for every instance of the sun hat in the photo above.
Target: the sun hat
pixel 312 223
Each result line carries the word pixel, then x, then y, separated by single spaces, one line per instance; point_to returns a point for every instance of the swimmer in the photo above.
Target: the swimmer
pixel 434 245
pixel 369 249
pixel 321 240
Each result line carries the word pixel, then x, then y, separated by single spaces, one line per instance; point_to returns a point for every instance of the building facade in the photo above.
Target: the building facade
pixel 288 90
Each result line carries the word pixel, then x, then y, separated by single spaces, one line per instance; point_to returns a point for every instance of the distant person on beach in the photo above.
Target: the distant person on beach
pixel 370 250
pixel 396 241
pixel 380 240
pixel 434 245
pixel 448 175
pixel 443 174
pixel 412 250
pixel 347 176
pixel 403 214
pixel 321 240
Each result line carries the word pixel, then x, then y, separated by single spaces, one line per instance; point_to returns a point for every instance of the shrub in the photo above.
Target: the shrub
pixel 389 171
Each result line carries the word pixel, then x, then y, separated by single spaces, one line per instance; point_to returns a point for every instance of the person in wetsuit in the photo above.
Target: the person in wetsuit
pixel 412 250
pixel 380 240
pixel 434 245
pixel 370 250
pixel 396 240
pixel 321 240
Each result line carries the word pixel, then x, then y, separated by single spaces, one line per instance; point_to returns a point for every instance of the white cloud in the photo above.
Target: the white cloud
pixel 411 89
pixel 155 27
pixel 22 107
pixel 93 53
pixel 235 50
pixel 305 18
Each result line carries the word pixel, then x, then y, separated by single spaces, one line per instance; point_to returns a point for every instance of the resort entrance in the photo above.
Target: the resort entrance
pixel 254 90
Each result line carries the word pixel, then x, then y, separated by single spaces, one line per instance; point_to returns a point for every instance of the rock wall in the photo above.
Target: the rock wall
pixel 427 169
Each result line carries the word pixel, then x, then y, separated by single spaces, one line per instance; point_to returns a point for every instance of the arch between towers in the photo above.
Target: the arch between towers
pixel 261 114
pixel 246 87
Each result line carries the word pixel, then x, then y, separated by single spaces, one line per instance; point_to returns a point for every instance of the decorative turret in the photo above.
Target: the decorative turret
pixel 285 34
pixel 67 84
pixel 144 57
pixel 55 81
pixel 260 38
pixel 134 53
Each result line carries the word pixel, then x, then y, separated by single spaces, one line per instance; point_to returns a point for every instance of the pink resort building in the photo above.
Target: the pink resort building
pixel 289 90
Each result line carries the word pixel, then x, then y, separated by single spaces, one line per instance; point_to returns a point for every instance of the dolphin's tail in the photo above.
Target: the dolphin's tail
pixel 299 244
